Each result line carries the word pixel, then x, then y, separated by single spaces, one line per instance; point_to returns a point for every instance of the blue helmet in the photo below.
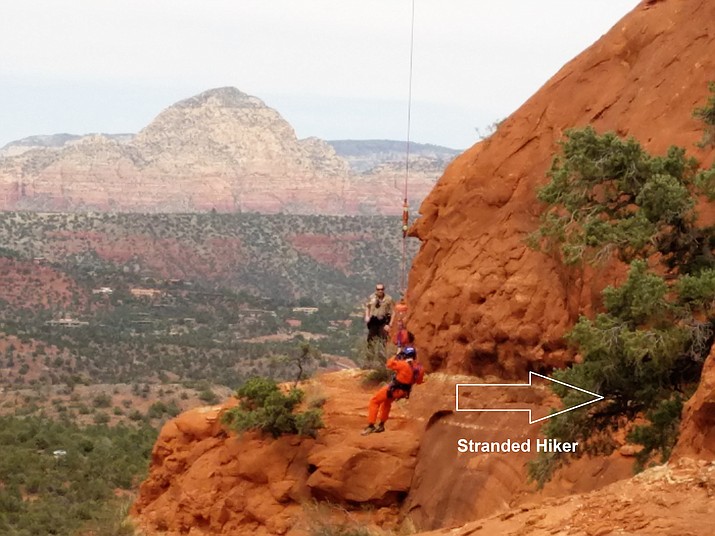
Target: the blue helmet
pixel 409 352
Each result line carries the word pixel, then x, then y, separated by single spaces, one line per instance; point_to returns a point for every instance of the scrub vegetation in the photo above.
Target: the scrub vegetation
pixel 265 408
pixel 609 200
pixel 61 479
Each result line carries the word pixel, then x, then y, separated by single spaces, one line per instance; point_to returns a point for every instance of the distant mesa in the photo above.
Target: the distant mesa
pixel 52 141
pixel 221 149
pixel 364 155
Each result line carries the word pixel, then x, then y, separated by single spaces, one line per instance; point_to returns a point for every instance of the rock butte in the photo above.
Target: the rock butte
pixel 222 150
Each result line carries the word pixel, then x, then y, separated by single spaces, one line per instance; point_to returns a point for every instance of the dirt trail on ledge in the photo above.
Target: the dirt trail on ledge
pixel 672 500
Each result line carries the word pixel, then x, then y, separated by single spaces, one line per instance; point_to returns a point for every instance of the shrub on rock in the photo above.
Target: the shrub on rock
pixel 266 408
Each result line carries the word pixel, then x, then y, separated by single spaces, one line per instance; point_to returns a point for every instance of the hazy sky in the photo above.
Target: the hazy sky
pixel 335 69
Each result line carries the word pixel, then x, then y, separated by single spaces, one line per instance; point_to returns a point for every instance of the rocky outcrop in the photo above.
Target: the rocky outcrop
pixel 697 430
pixel 481 300
pixel 222 150
pixel 667 500
pixel 207 480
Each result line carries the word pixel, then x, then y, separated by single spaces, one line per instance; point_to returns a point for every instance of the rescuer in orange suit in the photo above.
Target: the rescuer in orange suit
pixel 407 373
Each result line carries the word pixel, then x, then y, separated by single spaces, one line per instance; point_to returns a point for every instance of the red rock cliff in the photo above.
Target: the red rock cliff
pixel 697 430
pixel 481 300
pixel 206 481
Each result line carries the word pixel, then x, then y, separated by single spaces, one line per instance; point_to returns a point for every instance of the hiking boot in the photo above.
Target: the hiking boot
pixel 369 429
pixel 379 428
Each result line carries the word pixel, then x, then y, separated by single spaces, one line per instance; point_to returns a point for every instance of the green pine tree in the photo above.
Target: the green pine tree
pixel 264 407
pixel 609 199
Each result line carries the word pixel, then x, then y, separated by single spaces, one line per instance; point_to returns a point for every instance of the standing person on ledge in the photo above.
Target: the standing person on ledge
pixel 378 312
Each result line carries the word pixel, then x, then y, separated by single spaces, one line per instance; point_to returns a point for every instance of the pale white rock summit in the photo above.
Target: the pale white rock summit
pixel 221 149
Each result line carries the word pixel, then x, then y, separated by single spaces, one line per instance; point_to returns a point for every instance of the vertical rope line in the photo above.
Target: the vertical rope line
pixel 409 96
pixel 403 268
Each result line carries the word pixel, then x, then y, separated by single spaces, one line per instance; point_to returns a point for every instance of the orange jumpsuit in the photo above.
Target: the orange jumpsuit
pixel 397 325
pixel 381 403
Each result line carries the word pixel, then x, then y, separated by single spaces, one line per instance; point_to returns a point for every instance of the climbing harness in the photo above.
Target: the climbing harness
pixel 405 387
pixel 397 386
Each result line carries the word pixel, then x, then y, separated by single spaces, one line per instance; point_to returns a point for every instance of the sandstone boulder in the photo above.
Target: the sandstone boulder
pixel 697 430
pixel 206 479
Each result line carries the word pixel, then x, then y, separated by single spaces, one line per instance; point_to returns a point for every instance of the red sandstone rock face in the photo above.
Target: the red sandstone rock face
pixel 697 430
pixel 210 482
pixel 667 500
pixel 481 300
pixel 35 287
pixel 213 483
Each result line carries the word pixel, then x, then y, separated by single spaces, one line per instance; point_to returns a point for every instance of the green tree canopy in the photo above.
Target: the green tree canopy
pixel 706 114
pixel 609 199
pixel 264 407
pixel 607 196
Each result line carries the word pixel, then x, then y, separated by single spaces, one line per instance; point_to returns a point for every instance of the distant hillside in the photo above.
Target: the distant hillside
pixel 364 155
pixel 122 298
pixel 282 257
pixel 220 150
pixel 42 140
pixel 52 141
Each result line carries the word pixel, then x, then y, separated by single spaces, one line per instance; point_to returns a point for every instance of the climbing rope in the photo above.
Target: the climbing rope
pixel 405 206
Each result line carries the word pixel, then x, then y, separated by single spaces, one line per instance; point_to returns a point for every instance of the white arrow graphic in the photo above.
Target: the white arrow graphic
pixel 596 396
